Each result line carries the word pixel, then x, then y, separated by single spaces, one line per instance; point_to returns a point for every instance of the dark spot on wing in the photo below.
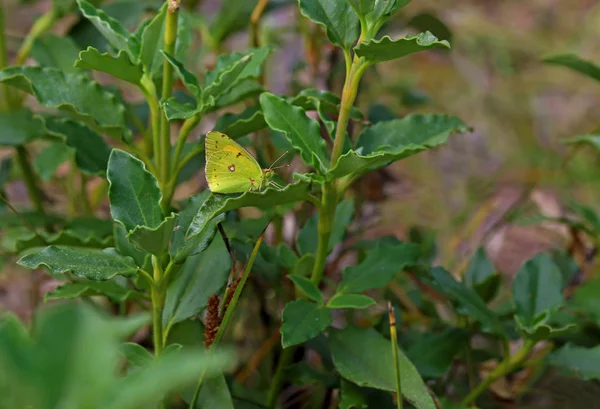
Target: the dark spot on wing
pixel 238 154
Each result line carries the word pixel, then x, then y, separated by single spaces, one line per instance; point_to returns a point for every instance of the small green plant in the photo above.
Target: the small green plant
pixel 190 263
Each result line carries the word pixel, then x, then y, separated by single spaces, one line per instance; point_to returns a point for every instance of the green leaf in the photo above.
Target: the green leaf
pixel 431 21
pixel 238 125
pixel 351 396
pixel 214 394
pixel 322 102
pixel 433 353
pixel 337 17
pixel 216 204
pixel 53 51
pixel 62 7
pixel 575 63
pixel 537 290
pixel 241 91
pixel 231 17
pixel 189 79
pixel 126 248
pixel 481 275
pixel 79 96
pixel 592 139
pixel 364 357
pixel 27 239
pixel 304 265
pixel 468 299
pixel 91 152
pixel 154 240
pixel 136 354
pixel 389 141
pixel 386 49
pixel 303 320
pixel 91 343
pixel 356 301
pixel 152 39
pixel 109 289
pixel 119 67
pixel 308 236
pixel 47 162
pixel 96 265
pixel 301 131
pixel 540 330
pixel 133 192
pixel 222 79
pixel 251 70
pixel 177 110
pixel 585 299
pixel 145 388
pixel 307 287
pixel 181 247
pixel 19 127
pixel 376 12
pixel 378 268
pixel 200 277
pixel 579 361
pixel 111 29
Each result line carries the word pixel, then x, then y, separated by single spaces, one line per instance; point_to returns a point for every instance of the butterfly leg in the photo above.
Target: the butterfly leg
pixel 277 185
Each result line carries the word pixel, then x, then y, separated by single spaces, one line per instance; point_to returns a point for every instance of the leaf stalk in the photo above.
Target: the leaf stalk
pixel 227 317
pixel 508 365
pixel 170 40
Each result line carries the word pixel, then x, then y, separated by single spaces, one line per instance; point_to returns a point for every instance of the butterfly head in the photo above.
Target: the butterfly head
pixel 268 173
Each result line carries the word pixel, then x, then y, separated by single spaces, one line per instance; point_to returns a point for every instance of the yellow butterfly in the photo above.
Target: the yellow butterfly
pixel 232 169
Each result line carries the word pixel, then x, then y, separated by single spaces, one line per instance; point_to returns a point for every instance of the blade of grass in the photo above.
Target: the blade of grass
pixel 394 337
pixel 231 308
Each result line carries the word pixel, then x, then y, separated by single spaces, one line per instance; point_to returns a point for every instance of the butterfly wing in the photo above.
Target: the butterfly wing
pixel 229 167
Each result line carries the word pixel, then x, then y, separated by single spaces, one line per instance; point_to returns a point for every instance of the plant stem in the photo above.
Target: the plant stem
pixel 41 25
pixel 324 227
pixel 284 360
pixel 230 310
pixel 506 366
pixel 30 179
pixel 184 133
pixel 167 88
pixel 394 337
pixel 348 97
pixel 152 144
pixel 254 22
pixel 327 205
pixel 157 295
pixel 3 54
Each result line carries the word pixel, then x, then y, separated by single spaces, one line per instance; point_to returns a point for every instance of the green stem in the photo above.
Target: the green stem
pixel 157 294
pixel 284 360
pixel 394 337
pixel 349 93
pixel 184 133
pixel 41 25
pixel 170 39
pixel 227 317
pixel 3 54
pixel 327 205
pixel 35 194
pixel 506 366
pixel 152 144
pixel 324 227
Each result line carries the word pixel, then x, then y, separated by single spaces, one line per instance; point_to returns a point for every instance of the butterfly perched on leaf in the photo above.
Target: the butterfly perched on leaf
pixel 232 169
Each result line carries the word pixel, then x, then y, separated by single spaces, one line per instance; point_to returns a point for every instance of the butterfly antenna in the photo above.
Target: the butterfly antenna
pixel 277 160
